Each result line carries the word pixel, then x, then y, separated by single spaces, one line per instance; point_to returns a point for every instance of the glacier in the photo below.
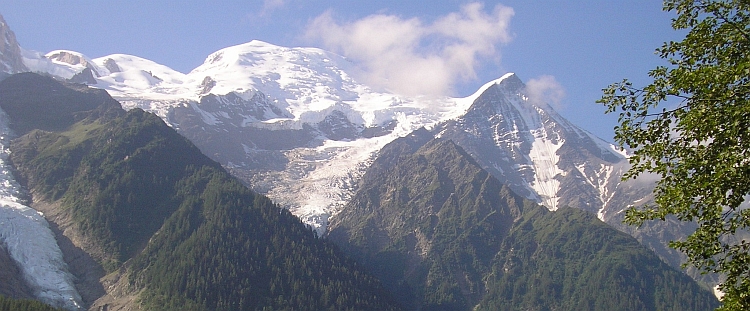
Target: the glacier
pixel 29 239
pixel 300 87
pixel 306 84
pixel 540 154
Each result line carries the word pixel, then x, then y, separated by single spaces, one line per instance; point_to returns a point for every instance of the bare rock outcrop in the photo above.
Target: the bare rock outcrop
pixel 11 60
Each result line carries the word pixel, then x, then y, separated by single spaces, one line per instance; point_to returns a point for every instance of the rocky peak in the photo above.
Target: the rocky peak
pixel 529 146
pixel 207 85
pixel 511 82
pixel 84 77
pixel 506 96
pixel 337 126
pixel 111 65
pixel 11 60
pixel 75 59
pixel 68 57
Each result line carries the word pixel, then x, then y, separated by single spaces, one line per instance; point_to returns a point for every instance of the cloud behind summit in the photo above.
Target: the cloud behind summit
pixel 411 56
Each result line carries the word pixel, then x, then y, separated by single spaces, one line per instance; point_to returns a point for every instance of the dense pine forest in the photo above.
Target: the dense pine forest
pixel 8 304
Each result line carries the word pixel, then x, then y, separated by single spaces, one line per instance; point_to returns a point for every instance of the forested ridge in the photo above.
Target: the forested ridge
pixel 570 260
pixel 9 304
pixel 445 235
pixel 230 249
pixel 184 234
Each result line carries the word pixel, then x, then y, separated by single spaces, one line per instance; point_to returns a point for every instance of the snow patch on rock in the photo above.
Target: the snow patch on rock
pixel 544 157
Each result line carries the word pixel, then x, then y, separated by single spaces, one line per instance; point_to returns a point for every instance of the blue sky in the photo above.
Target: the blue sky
pixel 571 49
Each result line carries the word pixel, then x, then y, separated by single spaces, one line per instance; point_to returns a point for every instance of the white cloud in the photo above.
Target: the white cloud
pixel 545 90
pixel 270 5
pixel 409 56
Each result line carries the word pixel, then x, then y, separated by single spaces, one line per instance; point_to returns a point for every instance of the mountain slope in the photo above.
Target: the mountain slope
pixel 27 236
pixel 444 234
pixel 299 119
pixel 569 260
pixel 9 304
pixel 11 60
pixel 290 118
pixel 418 217
pixel 300 129
pixel 527 145
pixel 297 125
pixel 54 109
pixel 170 226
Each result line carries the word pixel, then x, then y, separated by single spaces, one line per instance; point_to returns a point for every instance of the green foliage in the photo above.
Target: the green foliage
pixel 569 260
pixel 115 174
pixel 9 304
pixel 228 249
pixel 700 145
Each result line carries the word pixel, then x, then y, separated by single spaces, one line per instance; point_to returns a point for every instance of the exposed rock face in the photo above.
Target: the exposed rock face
pixel 82 265
pixel 206 85
pixel 68 58
pixel 76 59
pixel 111 65
pixel 538 153
pixel 84 77
pixel 11 60
pixel 542 156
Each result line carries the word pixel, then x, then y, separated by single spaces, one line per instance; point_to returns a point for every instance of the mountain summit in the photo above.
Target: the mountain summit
pixel 529 146
pixel 444 234
pixel 297 125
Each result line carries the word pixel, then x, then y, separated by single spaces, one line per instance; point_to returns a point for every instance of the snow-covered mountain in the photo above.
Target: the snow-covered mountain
pixel 538 153
pixel 295 124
